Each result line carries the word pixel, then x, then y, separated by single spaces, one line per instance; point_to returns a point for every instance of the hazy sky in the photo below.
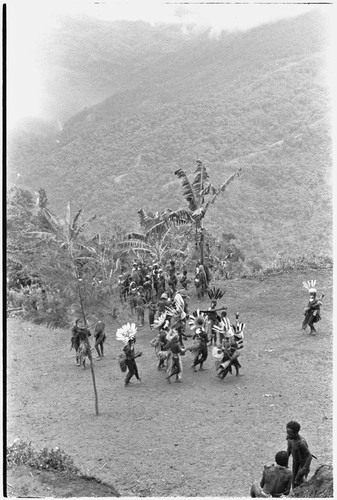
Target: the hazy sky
pixel 30 21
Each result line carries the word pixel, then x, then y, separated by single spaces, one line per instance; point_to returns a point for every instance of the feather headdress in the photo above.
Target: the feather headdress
pixel 197 320
pixel 172 335
pixel 176 312
pixel 126 332
pixel 238 329
pixel 160 322
pixel 224 329
pixel 215 293
pixel 310 286
pixel 179 301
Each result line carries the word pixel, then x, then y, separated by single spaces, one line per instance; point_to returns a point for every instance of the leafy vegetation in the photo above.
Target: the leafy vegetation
pixel 23 453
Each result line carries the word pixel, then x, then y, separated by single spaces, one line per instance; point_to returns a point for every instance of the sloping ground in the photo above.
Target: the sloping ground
pixel 24 481
pixel 204 437
pixel 319 486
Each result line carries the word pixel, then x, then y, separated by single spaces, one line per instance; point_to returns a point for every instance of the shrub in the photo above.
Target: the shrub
pixel 300 263
pixel 22 453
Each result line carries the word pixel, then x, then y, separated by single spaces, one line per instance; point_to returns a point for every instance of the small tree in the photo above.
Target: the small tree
pixel 67 279
pixel 195 193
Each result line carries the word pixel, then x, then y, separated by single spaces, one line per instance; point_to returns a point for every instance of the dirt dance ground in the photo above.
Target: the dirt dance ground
pixel 203 437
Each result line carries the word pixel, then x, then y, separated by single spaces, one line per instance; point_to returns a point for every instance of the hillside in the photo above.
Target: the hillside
pixel 256 100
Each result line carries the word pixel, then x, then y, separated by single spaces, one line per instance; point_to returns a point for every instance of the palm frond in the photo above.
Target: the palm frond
pixel 223 187
pixel 181 216
pixel 42 235
pixel 82 227
pixel 188 190
pixel 67 219
pixel 54 222
pixel 200 179
pixel 75 220
pixel 200 212
pixel 156 229
pixel 134 244
pixel 208 189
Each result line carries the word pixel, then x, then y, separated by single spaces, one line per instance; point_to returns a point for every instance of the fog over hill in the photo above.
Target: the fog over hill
pixel 151 99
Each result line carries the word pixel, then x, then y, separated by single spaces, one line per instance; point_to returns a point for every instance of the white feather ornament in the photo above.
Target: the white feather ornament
pixel 158 323
pixel 310 285
pixel 126 332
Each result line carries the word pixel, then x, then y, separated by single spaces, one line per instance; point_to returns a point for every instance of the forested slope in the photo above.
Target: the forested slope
pixel 256 100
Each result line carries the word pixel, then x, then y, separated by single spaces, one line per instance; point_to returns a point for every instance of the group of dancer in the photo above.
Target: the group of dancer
pixel 207 329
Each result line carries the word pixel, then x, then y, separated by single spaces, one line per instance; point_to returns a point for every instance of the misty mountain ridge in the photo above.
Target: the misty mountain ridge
pixel 255 100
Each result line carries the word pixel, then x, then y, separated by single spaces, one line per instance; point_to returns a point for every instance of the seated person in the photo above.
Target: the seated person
pixel 276 478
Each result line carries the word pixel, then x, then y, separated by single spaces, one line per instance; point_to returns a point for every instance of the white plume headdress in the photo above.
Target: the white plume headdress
pixel 176 312
pixel 161 321
pixel 310 286
pixel 126 332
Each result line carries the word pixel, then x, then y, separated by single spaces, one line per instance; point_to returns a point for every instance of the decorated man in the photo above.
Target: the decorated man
pixel 312 311
pixel 127 335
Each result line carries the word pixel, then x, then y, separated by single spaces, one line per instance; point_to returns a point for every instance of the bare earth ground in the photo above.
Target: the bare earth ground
pixel 204 437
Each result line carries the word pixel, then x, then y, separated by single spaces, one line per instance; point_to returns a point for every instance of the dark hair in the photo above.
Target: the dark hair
pixel 295 426
pixel 282 458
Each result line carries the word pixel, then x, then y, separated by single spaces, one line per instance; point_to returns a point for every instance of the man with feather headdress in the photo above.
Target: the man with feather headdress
pixel 197 323
pixel 174 363
pixel 127 335
pixel 312 311
pixel 213 318
pixel 160 343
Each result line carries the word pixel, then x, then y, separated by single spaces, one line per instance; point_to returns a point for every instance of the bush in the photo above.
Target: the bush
pixel 22 453
pixel 300 263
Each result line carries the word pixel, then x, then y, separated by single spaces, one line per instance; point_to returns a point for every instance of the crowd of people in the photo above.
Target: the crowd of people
pixel 210 328
pixel 149 286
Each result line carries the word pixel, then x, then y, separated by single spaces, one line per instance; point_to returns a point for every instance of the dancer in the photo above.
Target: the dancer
pixel 197 323
pixel 127 335
pixel 232 346
pixel 174 365
pixel 312 311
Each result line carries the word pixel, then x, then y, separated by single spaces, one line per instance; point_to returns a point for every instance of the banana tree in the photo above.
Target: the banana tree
pixel 160 238
pixel 195 193
pixel 158 249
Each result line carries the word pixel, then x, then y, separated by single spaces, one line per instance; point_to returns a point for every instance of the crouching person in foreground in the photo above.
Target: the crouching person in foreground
pixel 276 479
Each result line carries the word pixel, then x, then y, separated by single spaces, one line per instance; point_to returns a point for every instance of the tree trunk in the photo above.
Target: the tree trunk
pixel 200 240
pixel 90 356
